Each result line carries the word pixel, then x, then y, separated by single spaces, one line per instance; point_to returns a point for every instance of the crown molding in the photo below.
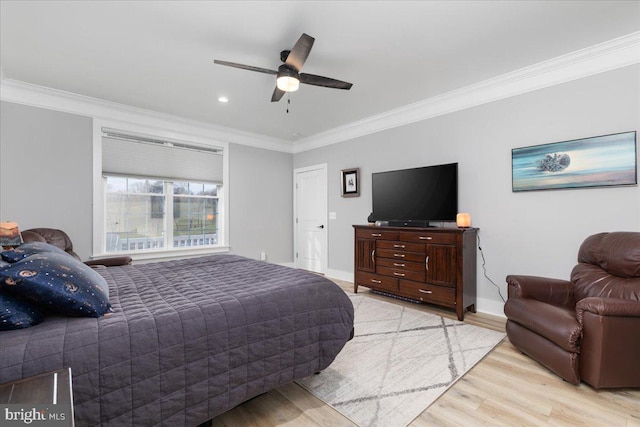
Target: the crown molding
pixel 600 58
pixel 53 99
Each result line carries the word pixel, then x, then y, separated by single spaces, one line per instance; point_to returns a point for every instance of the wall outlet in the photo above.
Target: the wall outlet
pixel 263 256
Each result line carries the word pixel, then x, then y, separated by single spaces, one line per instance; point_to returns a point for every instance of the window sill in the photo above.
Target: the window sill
pixel 166 254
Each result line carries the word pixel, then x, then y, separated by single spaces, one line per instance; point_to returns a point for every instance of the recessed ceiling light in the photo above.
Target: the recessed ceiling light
pixel 223 99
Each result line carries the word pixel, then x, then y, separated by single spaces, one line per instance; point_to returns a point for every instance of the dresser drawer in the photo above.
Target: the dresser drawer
pixel 400 255
pixel 375 233
pixel 377 282
pixel 401 274
pixel 401 264
pixel 400 246
pixel 428 237
pixel 429 293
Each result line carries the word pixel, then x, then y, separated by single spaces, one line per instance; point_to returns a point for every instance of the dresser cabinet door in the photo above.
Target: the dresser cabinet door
pixel 365 255
pixel 441 265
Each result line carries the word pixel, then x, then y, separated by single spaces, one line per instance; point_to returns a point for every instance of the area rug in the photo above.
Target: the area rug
pixel 399 361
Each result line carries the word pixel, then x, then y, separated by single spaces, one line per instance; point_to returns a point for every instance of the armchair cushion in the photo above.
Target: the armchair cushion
pixel 57 238
pixel 617 253
pixel 555 323
pixel 592 281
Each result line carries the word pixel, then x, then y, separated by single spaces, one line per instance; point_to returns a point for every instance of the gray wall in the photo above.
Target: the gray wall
pixel 46 181
pixel 45 178
pixel 529 233
pixel 261 203
pixel 46 171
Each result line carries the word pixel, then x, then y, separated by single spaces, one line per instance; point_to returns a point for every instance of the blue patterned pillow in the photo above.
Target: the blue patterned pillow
pixel 59 283
pixel 17 314
pixel 30 248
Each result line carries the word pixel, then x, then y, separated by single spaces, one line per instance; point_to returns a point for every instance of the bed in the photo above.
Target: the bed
pixel 188 340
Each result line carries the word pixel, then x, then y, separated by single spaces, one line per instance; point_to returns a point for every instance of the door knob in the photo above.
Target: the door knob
pixel 321 226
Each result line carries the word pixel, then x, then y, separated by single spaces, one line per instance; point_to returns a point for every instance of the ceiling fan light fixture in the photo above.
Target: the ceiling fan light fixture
pixel 288 74
pixel 288 84
pixel 288 79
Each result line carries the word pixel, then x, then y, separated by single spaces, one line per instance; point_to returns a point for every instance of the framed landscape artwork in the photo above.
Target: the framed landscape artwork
pixel 608 160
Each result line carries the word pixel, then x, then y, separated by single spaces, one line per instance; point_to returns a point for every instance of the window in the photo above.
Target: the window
pixel 195 213
pixel 159 196
pixel 154 214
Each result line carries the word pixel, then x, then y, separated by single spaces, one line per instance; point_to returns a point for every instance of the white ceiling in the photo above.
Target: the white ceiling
pixel 158 55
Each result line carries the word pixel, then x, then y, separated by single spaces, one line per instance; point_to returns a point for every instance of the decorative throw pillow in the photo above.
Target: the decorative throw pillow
pixel 16 313
pixel 30 248
pixel 59 283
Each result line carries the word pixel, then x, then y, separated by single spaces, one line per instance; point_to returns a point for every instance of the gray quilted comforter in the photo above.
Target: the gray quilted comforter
pixel 189 339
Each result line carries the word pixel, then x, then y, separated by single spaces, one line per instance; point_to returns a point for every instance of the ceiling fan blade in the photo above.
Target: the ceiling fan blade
pixel 245 67
pixel 314 80
pixel 300 52
pixel 277 95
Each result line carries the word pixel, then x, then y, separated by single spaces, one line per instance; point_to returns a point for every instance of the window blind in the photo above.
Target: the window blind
pixel 143 156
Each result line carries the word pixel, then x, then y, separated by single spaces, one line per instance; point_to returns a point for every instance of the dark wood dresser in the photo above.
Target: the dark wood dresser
pixel 433 265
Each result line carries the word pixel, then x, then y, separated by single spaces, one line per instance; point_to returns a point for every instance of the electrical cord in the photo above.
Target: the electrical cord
pixel 484 268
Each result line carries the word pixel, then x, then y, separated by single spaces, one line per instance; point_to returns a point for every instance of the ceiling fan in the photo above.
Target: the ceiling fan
pixel 288 75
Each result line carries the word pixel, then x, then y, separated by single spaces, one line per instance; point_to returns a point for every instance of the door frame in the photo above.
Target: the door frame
pixel 324 262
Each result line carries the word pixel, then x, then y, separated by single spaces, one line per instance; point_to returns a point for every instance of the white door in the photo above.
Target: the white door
pixel 310 218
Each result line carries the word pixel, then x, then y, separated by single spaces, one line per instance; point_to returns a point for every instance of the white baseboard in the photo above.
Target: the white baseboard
pixel 340 275
pixel 287 264
pixel 487 306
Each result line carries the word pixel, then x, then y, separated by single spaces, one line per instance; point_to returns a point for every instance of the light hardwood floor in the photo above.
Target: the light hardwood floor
pixel 506 388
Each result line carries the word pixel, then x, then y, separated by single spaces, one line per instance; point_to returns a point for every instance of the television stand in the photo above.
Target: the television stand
pixel 433 265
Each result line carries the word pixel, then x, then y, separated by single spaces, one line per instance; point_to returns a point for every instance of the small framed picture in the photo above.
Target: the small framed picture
pixel 350 182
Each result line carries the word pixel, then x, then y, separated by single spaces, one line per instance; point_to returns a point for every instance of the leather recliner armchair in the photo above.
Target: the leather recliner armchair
pixel 586 328
pixel 60 239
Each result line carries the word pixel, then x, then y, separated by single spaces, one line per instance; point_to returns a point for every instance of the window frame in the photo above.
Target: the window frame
pixel 100 194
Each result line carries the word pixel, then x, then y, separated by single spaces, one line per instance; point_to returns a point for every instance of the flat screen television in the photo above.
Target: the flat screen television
pixel 416 196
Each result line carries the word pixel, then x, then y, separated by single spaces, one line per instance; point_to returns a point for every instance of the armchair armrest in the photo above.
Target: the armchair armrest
pixel 610 347
pixel 111 261
pixel 607 307
pixel 551 291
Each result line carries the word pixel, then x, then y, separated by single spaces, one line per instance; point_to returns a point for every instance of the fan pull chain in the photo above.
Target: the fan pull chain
pixel 288 101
